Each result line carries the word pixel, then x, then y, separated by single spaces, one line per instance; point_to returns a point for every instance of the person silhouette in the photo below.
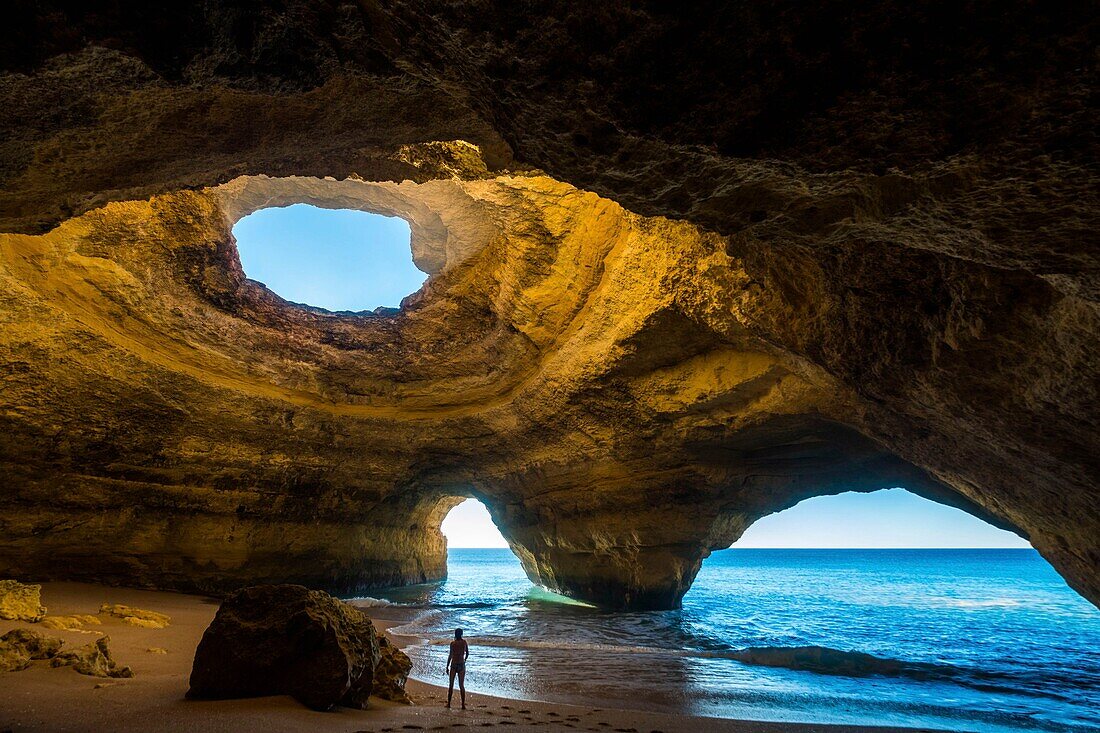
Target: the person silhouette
pixel 456 665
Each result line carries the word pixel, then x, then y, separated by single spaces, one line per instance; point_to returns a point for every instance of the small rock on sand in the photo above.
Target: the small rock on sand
pixel 71 623
pixel 92 659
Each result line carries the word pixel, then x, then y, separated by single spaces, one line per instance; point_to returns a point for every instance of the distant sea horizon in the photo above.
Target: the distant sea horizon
pixel 984 638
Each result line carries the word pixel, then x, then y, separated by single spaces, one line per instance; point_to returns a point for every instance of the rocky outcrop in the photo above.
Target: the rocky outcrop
pixel 19 647
pixel 19 602
pixel 687 269
pixel 287 640
pixel 92 659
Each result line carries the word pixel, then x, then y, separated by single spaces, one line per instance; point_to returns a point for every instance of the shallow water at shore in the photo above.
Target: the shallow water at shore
pixel 989 640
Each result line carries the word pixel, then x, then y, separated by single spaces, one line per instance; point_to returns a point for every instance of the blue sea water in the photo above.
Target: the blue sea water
pixel 974 640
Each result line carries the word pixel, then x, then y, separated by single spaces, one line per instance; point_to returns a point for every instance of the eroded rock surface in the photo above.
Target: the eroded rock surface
pixel 392 672
pixel 71 623
pixel 137 616
pixel 768 253
pixel 93 659
pixel 19 647
pixel 287 640
pixel 20 602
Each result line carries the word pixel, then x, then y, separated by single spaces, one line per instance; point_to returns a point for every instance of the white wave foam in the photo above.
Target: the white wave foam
pixel 368 602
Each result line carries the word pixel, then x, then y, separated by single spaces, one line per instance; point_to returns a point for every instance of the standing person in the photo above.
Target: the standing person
pixel 456 665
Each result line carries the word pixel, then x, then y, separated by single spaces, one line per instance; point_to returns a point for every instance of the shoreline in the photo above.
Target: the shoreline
pixel 44 699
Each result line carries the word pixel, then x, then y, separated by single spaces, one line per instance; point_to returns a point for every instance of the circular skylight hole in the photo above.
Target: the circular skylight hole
pixel 336 259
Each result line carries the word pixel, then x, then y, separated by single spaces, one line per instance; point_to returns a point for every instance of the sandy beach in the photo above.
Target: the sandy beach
pixel 46 699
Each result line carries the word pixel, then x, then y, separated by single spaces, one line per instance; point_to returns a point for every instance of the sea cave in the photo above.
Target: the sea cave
pixel 674 271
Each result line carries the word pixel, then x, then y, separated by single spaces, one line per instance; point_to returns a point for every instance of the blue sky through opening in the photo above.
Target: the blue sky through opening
pixel 884 519
pixel 336 259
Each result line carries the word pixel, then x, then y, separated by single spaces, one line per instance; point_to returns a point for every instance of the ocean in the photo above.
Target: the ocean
pixel 968 640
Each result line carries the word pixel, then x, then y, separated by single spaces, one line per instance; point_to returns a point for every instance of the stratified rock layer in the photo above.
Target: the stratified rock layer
pixel 770 253
pixel 287 640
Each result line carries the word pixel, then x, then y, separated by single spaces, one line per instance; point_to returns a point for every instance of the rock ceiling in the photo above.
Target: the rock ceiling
pixel 678 280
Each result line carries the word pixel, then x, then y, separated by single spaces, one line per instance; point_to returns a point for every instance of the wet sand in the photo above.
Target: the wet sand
pixel 45 699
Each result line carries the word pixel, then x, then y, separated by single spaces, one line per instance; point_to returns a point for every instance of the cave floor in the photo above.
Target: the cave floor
pixel 41 698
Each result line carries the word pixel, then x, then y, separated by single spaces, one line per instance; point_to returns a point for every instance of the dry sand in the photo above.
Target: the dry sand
pixel 45 699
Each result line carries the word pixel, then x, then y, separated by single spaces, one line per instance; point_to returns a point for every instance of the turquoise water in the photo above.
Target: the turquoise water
pixel 981 640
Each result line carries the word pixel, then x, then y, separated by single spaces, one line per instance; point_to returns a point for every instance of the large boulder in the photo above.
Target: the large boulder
pixel 92 659
pixel 19 646
pixel 287 640
pixel 19 602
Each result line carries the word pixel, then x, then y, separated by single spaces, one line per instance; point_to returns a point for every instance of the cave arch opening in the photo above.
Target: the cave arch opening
pixel 483 567
pixel 831 543
pixel 887 518
pixel 340 260
pixel 469 525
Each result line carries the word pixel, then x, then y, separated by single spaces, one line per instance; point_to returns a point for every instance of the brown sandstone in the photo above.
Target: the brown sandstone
pixel 21 602
pixel 686 271
pixel 19 646
pixel 288 640
pixel 93 659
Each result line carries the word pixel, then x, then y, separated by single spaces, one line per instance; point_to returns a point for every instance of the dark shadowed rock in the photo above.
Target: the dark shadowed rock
pixel 19 646
pixel 287 640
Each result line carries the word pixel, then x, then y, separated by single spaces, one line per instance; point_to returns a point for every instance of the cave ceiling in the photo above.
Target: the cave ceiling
pixel 686 269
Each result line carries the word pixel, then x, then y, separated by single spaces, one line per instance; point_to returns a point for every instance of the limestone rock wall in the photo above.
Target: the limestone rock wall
pixel 767 253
